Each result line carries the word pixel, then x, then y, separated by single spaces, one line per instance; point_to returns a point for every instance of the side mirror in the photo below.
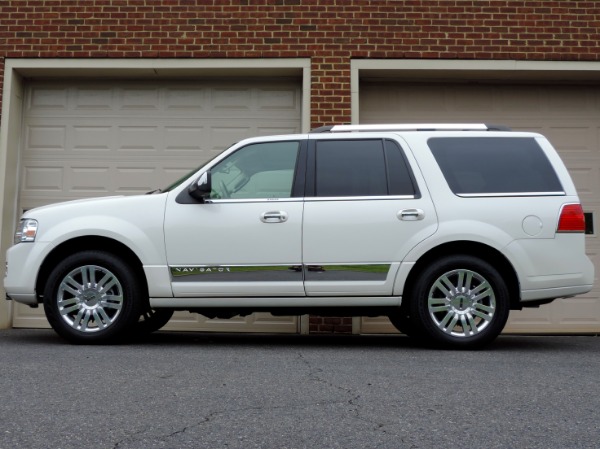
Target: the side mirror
pixel 200 189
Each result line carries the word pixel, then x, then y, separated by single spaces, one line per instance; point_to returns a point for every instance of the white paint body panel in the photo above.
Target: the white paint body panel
pixel 362 231
pixel 223 234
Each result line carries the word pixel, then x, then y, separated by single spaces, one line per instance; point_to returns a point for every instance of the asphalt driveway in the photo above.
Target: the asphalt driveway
pixel 198 390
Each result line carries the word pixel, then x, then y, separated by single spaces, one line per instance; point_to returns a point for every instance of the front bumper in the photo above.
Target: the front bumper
pixel 23 263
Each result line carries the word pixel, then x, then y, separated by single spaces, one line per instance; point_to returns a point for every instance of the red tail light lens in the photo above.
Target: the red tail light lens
pixel 571 219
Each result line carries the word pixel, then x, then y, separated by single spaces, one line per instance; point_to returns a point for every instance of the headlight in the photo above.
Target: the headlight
pixel 26 231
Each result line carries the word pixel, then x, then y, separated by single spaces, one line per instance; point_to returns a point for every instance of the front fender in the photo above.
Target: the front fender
pixel 134 221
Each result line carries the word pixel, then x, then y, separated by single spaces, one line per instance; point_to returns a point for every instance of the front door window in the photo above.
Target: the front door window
pixel 262 170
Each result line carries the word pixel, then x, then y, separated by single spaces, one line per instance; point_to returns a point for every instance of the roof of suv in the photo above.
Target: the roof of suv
pixel 411 127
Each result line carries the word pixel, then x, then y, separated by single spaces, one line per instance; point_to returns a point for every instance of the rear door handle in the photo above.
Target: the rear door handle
pixel 274 217
pixel 411 214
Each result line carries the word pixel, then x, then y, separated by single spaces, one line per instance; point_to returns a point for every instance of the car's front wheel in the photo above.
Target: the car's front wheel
pixel 460 301
pixel 93 297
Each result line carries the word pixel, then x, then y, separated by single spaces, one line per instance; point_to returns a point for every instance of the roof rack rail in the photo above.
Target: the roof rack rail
pixel 413 127
pixel 498 127
pixel 321 129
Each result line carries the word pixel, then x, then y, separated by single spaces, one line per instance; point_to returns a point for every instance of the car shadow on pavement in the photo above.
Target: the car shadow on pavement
pixel 502 343
pixel 536 343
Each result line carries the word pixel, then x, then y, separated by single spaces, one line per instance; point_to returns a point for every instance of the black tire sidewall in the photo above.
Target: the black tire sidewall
pixel 419 310
pixel 130 309
pixel 157 319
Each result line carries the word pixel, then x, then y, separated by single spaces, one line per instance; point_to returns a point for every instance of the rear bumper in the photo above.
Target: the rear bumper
pixel 25 298
pixel 551 268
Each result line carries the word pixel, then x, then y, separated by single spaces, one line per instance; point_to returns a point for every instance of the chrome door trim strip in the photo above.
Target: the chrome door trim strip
pixel 236 273
pixel 359 198
pixel 348 272
pixel 254 200
pixel 311 199
pixel 511 194
pixel 280 273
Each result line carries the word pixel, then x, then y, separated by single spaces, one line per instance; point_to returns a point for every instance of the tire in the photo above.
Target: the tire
pixel 459 302
pixel 93 297
pixel 152 320
pixel 403 322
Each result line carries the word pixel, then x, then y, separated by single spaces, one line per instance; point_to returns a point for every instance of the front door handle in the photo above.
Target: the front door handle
pixel 274 217
pixel 411 214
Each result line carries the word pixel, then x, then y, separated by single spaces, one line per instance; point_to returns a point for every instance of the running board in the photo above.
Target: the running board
pixel 277 302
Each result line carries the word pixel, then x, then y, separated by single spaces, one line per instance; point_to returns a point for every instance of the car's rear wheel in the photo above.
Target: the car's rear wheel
pixel 460 301
pixel 93 297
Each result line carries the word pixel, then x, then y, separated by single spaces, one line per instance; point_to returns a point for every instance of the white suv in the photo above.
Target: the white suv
pixel 443 228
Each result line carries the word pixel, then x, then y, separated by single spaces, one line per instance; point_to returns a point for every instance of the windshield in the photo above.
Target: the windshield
pixel 189 174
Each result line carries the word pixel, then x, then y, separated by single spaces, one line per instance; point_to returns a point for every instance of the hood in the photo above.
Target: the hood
pixel 32 212
pixel 109 205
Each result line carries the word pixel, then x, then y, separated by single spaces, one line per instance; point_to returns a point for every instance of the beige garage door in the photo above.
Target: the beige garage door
pixel 568 115
pixel 96 139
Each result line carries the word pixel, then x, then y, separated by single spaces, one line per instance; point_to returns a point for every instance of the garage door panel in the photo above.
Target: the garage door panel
pixel 568 115
pixel 139 98
pixel 98 98
pixel 45 180
pixel 579 312
pixel 461 101
pixel 519 99
pixel 272 130
pixel 575 141
pixel 88 181
pixel 140 139
pixel 90 139
pixel 586 179
pixel 185 139
pixel 46 137
pixel 186 100
pixel 277 99
pixel 573 101
pixel 44 98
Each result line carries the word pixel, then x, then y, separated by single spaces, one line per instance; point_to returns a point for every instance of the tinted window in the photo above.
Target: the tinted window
pixel 493 165
pixel 350 168
pixel 264 170
pixel 400 179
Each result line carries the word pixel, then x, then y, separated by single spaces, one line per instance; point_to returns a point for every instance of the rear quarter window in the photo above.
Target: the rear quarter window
pixel 495 166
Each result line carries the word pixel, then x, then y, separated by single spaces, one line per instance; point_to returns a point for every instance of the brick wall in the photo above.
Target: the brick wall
pixel 326 325
pixel 330 32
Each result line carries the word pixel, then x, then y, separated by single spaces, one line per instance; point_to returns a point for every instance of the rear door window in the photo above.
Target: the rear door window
pixel 361 168
pixel 476 166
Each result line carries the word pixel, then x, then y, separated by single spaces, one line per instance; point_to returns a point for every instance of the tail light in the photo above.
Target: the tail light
pixel 571 219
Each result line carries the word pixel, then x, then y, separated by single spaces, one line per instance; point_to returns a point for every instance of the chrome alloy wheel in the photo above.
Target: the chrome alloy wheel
pixel 90 298
pixel 461 303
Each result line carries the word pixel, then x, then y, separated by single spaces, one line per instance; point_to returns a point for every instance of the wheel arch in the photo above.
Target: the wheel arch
pixel 475 249
pixel 87 243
